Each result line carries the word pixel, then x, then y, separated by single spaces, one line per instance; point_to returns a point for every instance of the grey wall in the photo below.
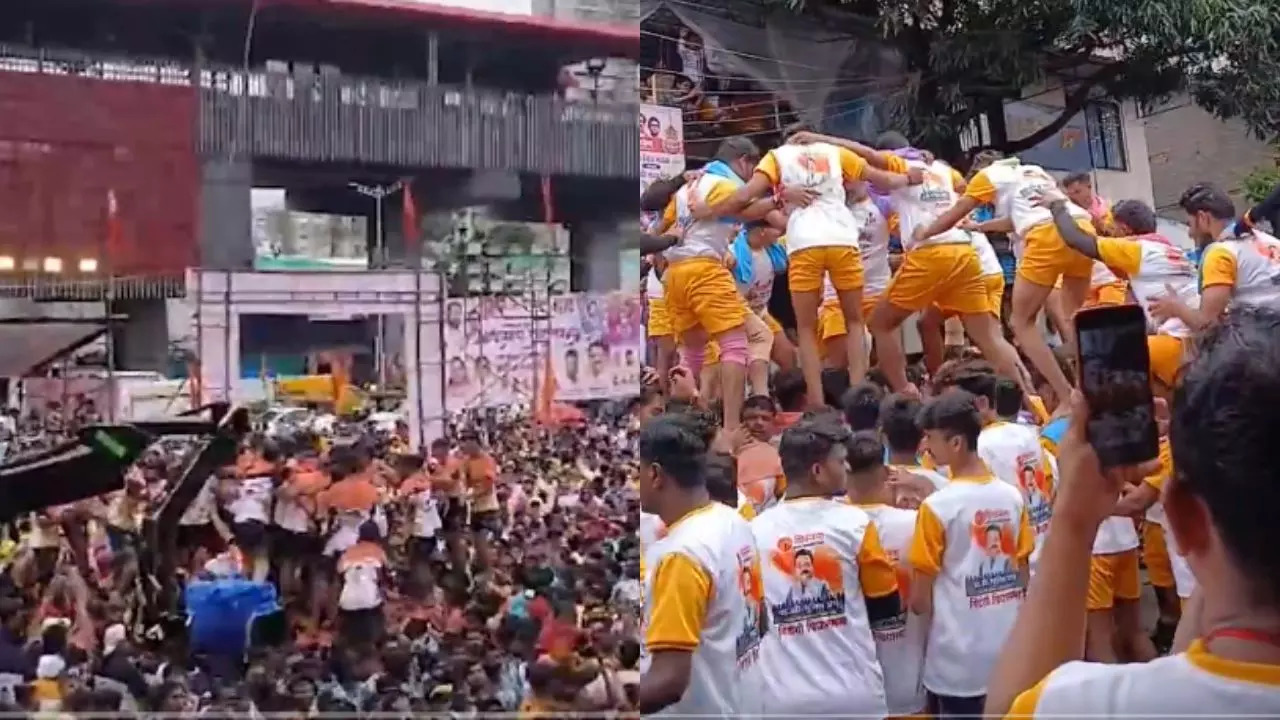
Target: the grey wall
pixel 226 216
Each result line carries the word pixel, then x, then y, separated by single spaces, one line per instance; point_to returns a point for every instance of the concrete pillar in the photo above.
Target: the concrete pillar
pixel 226 218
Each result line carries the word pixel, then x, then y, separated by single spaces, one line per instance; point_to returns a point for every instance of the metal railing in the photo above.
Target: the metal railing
pixel 317 117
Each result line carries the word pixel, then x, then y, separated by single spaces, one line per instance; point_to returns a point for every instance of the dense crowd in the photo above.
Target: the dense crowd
pixel 950 544
pixel 494 573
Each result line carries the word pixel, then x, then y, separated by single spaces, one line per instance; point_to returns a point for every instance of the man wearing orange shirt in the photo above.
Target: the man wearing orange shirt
pixel 480 473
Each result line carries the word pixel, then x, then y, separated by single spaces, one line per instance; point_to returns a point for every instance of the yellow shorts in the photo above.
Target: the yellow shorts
pixel 842 264
pixel 659 318
pixel 1166 358
pixel 700 292
pixel 995 293
pixel 1045 257
pixel 1113 577
pixel 712 354
pixel 1116 293
pixel 830 321
pixel 1155 553
pixel 948 276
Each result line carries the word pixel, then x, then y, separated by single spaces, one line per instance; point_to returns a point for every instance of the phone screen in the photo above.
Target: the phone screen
pixel 1114 377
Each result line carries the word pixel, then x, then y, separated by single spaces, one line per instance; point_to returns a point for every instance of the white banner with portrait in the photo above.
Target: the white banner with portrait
pixel 597 345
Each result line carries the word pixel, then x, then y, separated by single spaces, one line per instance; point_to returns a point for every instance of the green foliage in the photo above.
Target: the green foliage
pixel 1259 183
pixel 965 56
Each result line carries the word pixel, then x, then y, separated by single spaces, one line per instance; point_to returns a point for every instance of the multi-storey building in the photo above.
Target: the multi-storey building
pixel 135 136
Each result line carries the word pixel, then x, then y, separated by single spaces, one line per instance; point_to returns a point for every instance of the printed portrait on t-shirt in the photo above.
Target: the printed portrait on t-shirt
pixel 815 580
pixel 750 583
pixel 994 570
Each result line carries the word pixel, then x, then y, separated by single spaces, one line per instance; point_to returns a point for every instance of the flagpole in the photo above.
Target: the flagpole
pixel 108 299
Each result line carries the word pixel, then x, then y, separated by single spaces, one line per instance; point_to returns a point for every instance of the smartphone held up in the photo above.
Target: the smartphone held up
pixel 1113 363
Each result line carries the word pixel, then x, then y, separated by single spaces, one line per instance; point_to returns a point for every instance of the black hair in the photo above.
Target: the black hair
pixel 658 194
pixel 865 451
pixel 1206 197
pixel 1136 215
pixel 900 423
pixel 835 382
pixel 1224 412
pixel 977 379
pixel 1077 177
pixel 598 344
pixel 789 388
pixel 759 402
pixel 953 413
pixel 808 443
pixel 796 128
pixel 861 405
pixel 722 478
pixel 676 444
pixel 1008 397
pixel 736 148
pixel 891 140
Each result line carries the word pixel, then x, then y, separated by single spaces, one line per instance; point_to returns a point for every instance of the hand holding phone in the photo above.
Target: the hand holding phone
pixel 1114 377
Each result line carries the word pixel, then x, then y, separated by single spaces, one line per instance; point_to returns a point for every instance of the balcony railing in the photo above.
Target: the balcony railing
pixel 338 118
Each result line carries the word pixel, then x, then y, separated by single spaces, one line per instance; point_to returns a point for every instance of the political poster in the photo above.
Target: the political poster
pixel 597 345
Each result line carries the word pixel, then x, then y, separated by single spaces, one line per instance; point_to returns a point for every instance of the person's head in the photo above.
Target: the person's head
pixel 1008 401
pixel 457 369
pixel 659 193
pixel 648 403
pixel 979 379
pixel 868 475
pixel 453 314
pixel 440 450
pixel 597 356
pixel 982 160
pixel 721 478
pixel 758 416
pixel 991 541
pixel 761 235
pixel 813 456
pixel 890 140
pixel 1209 212
pixel 654 126
pixel 469 442
pixel 789 390
pixel 835 382
pixel 804 564
pixel 740 154
pixel 369 532
pixel 1225 489
pixel 1133 217
pixel 1079 189
pixel 861 405
pixel 571 363
pixel 900 424
pixel 673 453
pixel 951 427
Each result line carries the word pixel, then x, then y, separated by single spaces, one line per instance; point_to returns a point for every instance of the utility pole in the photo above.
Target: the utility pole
pixel 379 193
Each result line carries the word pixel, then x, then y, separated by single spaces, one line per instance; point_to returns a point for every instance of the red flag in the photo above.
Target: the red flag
pixel 548 202
pixel 411 224
pixel 544 401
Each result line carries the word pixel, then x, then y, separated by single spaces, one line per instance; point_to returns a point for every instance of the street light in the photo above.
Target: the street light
pixel 379 193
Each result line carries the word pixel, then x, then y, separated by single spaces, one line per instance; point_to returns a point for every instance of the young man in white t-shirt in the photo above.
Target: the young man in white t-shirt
pixel 703 605
pixel 900 641
pixel 827 585
pixel 968 557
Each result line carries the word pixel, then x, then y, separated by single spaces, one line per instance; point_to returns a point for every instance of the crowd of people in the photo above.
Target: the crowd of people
pixel 495 572
pixel 852 534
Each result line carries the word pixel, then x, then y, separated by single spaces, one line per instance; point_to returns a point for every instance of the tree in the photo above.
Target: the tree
pixel 1259 183
pixel 964 58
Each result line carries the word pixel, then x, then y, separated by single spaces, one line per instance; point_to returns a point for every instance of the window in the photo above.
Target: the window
pixel 1106 136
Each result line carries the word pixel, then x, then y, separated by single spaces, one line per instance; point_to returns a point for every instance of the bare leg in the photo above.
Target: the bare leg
pixel 1099 637
pixel 784 352
pixel 984 330
pixel 885 321
pixel 733 377
pixel 805 305
pixel 931 338
pixel 1028 298
pixel 1055 308
pixel 855 338
pixel 1133 645
pixel 664 358
pixel 836 353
